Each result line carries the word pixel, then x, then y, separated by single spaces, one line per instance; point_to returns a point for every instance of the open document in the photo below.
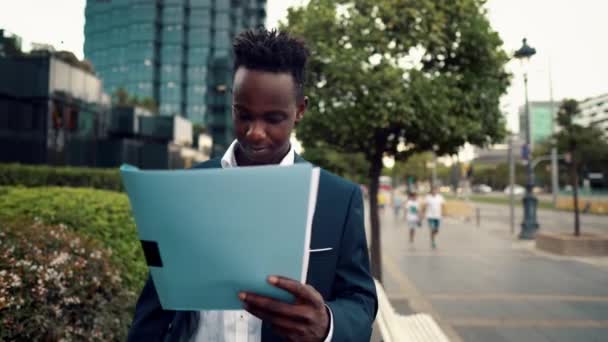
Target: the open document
pixel 209 233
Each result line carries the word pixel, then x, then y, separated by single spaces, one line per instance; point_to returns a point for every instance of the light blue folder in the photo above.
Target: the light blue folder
pixel 220 231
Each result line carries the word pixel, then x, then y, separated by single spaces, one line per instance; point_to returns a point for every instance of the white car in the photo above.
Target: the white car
pixel 518 190
pixel 482 189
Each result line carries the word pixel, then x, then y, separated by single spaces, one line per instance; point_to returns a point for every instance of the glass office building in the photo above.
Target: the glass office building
pixel 177 52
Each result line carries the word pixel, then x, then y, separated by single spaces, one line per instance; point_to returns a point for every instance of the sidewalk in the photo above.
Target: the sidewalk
pixel 483 285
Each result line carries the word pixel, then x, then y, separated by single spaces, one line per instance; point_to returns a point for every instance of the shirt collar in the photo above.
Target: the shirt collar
pixel 229 159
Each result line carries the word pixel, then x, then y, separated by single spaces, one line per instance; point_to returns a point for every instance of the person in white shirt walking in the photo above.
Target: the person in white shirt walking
pixel 433 212
pixel 412 214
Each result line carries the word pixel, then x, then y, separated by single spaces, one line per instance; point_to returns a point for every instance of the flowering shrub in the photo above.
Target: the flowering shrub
pixel 98 214
pixel 58 285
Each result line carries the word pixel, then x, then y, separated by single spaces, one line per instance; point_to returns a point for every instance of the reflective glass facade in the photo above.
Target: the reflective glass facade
pixel 175 51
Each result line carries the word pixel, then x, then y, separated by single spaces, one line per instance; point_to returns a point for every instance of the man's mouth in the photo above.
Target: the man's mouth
pixel 256 150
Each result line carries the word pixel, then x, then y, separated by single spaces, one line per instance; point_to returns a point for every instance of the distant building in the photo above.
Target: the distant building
pixel 542 120
pixel 177 52
pixel 47 108
pixel 594 112
pixel 43 47
pixel 498 153
pixel 53 112
pixel 138 137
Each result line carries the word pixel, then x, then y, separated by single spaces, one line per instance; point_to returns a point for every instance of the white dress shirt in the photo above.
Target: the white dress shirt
pixel 239 325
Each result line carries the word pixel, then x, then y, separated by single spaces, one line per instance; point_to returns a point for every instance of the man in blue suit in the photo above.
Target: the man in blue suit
pixel 338 301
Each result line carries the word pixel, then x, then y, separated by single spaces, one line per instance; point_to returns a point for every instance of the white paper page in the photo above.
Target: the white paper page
pixel 312 202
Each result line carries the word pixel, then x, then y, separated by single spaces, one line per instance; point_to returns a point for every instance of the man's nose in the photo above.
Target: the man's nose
pixel 256 131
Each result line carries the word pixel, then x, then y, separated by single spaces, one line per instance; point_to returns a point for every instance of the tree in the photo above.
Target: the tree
pixel 121 97
pixel 148 103
pixel 11 45
pixel 582 143
pixel 415 167
pixel 352 166
pixel 397 77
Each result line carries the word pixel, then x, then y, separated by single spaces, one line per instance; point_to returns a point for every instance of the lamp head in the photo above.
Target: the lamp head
pixel 525 52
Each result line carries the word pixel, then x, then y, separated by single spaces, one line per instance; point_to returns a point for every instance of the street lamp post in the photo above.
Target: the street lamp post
pixel 529 226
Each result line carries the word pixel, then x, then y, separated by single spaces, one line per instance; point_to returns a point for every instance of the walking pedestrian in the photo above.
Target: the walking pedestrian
pixel 433 209
pixel 397 203
pixel 412 214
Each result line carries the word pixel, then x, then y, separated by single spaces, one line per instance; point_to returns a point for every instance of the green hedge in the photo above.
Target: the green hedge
pixel 57 285
pixel 44 175
pixel 99 214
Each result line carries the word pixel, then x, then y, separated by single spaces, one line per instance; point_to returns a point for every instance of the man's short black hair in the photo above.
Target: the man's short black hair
pixel 272 51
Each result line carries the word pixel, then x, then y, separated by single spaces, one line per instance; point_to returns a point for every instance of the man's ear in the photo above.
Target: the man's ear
pixel 302 106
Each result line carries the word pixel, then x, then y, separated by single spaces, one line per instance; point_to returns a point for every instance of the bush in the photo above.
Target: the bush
pixel 97 214
pixel 56 285
pixel 44 175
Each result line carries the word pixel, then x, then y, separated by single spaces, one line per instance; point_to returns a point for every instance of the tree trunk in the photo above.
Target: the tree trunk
pixel 376 255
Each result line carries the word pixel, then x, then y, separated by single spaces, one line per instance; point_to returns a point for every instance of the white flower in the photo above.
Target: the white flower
pixel 74 243
pixel 16 280
pixel 71 300
pixel 60 259
pixel 95 255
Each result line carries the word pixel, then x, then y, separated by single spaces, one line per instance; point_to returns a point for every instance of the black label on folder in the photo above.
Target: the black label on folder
pixel 152 253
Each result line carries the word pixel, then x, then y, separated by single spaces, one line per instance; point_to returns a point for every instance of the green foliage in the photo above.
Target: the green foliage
pixel 497 176
pixel 397 77
pixel 586 144
pixel 415 72
pixel 352 166
pixel 57 285
pixel 11 45
pixel 121 97
pixel 148 103
pixel 101 215
pixel 43 175
pixel 415 166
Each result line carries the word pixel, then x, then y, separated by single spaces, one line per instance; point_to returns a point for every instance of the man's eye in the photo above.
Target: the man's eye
pixel 244 117
pixel 274 119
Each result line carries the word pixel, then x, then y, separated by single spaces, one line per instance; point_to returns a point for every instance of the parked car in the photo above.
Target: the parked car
pixel 518 190
pixel 482 189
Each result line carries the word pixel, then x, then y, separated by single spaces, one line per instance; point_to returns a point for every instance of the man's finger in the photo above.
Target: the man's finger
pixel 287 325
pixel 287 334
pixel 301 291
pixel 276 307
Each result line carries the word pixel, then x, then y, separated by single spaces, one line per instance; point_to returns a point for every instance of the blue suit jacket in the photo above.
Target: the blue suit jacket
pixel 341 275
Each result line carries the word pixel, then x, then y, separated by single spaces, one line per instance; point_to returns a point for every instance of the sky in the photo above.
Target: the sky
pixel 569 37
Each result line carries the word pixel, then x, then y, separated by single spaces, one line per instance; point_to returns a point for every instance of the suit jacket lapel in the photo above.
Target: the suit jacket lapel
pixel 299 159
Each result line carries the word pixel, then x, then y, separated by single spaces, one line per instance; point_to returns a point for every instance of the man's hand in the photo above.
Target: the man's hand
pixel 305 320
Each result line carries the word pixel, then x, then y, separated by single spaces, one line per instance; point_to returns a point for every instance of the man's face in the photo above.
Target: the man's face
pixel 265 110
